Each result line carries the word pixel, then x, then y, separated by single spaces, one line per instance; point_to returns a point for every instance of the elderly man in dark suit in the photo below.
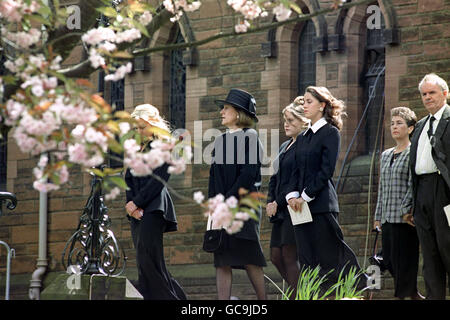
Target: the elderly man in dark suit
pixel 430 165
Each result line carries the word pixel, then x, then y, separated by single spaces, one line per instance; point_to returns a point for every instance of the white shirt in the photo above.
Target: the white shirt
pixel 315 127
pixel 424 161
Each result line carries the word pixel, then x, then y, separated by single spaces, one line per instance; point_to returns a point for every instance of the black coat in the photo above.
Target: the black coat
pixel 316 158
pixel 236 166
pixel 279 187
pixel 151 195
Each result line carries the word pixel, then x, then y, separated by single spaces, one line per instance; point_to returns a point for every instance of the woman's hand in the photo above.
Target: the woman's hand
pixel 296 203
pixel 137 214
pixel 409 219
pixel 130 207
pixel 377 225
pixel 271 208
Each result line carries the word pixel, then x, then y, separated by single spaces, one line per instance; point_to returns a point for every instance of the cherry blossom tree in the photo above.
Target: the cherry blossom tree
pixel 51 114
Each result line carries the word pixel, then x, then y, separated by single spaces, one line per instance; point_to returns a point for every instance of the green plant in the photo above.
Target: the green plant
pixel 347 286
pixel 311 285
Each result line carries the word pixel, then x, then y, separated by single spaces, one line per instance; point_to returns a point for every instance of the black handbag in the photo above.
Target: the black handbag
pixel 214 240
pixel 377 257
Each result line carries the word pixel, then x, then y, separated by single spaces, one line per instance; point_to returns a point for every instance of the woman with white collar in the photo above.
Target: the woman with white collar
pixel 236 164
pixel 320 242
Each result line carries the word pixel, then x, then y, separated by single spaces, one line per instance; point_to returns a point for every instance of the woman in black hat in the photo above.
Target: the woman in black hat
pixel 236 164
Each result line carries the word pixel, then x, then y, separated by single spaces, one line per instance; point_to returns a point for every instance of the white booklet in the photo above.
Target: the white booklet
pixel 302 216
pixel 447 213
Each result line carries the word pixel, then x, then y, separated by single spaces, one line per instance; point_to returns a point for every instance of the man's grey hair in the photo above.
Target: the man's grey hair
pixel 434 79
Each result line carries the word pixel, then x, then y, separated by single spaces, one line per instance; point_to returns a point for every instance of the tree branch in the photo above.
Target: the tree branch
pixel 220 35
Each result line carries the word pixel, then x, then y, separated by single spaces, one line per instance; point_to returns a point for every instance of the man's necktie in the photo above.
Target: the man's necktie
pixel 430 129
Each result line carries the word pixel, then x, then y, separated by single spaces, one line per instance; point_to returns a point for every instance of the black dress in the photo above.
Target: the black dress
pixel 236 164
pixel 282 228
pixel 155 281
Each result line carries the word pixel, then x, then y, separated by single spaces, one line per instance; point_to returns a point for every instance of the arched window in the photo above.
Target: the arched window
pixel 374 86
pixel 177 93
pixel 306 57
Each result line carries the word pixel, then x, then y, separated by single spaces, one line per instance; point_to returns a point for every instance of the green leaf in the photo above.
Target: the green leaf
pixel 141 28
pixel 119 181
pixel 108 12
pixel 97 172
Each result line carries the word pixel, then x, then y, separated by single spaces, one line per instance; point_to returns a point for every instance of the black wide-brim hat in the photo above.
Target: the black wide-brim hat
pixel 242 100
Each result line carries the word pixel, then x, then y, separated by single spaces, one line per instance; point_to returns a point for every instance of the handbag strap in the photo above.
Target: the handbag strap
pixel 209 223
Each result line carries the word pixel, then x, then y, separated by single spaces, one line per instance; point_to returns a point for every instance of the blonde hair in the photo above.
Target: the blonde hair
pixel 244 120
pixel 334 108
pixel 150 114
pixel 296 109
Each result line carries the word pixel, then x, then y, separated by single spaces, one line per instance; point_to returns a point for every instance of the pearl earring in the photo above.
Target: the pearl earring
pixel 321 109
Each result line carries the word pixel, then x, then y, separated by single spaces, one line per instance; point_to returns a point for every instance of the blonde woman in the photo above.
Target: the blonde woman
pixel 151 213
pixel 283 250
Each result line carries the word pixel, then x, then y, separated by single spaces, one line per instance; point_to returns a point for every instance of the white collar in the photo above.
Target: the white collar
pixel 234 130
pixel 316 126
pixel 438 115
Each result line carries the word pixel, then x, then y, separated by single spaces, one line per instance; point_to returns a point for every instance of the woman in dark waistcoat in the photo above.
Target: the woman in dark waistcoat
pixel 283 251
pixel 320 242
pixel 236 164
pixel 151 213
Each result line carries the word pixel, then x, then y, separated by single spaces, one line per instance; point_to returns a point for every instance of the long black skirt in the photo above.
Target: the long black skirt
pixel 155 281
pixel 321 243
pixel 239 253
pixel 401 256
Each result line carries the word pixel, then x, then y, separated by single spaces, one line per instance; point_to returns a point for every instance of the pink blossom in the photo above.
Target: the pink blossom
pixel 235 226
pixel 112 194
pixel 95 58
pixel 198 197
pixel 222 216
pixel 15 109
pixel 95 36
pixel 242 27
pixel 281 12
pixel 120 72
pixel 244 216
pixel 42 186
pixel 232 202
pixel 146 18
pixel 177 166
pixel 129 35
pixel 9 9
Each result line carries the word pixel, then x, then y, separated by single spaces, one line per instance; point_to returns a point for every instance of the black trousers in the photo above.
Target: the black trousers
pixel 321 243
pixel 434 232
pixel 155 281
pixel 401 257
